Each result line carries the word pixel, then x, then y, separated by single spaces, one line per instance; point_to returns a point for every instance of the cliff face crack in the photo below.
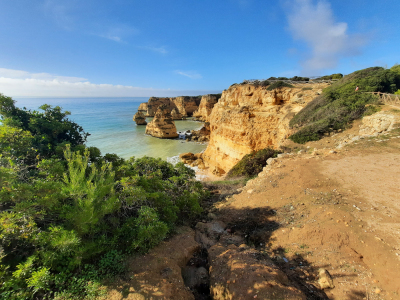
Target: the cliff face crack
pixel 196 275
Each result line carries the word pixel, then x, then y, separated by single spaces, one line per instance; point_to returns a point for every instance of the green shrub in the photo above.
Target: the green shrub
pixel 279 84
pixel 68 215
pixel 330 77
pixel 340 104
pixel 306 88
pixel 298 78
pixel 253 163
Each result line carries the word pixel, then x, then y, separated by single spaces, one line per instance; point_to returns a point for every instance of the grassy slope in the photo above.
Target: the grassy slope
pixel 340 104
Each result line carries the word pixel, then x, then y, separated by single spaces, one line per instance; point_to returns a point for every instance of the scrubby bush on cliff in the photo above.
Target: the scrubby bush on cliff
pixel 279 84
pixel 68 215
pixel 253 163
pixel 340 104
pixel 330 77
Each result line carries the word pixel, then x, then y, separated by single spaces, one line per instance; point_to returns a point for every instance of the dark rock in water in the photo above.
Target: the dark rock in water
pixel 140 118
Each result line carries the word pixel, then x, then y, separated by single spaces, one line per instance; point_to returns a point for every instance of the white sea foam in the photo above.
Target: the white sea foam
pixel 199 176
pixel 173 160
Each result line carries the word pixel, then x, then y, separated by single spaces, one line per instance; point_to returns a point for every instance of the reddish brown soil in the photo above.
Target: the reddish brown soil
pixel 340 212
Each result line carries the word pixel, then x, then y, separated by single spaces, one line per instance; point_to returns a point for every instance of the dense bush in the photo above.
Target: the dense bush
pixel 279 84
pixel 330 77
pixel 340 104
pixel 68 215
pixel 298 78
pixel 253 163
pixel 295 78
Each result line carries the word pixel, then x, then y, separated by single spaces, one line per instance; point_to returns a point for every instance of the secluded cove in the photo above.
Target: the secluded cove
pixel 109 121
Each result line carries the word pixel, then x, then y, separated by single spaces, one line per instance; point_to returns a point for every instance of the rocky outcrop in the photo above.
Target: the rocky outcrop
pixel 162 126
pixel 193 160
pixel 184 105
pixel 143 107
pixel 203 134
pixel 154 103
pixel 249 118
pixel 206 105
pixel 238 273
pixel 378 123
pixel 140 118
pixel 177 115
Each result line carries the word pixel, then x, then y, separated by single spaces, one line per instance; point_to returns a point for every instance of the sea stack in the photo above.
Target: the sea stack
pixel 162 125
pixel 140 118
pixel 176 115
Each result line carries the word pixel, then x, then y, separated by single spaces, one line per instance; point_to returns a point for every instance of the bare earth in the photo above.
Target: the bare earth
pixel 337 211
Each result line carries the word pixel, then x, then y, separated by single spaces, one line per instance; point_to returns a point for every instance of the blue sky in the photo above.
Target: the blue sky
pixel 118 48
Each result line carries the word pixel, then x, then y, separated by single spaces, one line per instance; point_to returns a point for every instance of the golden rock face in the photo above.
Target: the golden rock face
pixel 207 103
pixel 249 118
pixel 162 126
pixel 184 105
pixel 140 118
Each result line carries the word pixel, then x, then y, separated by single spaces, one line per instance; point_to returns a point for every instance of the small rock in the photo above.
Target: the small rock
pixel 325 279
pixel 211 216
pixel 250 191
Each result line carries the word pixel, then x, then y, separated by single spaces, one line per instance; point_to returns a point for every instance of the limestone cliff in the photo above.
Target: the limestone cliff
pixel 248 118
pixel 206 105
pixel 184 105
pixel 143 107
pixel 140 118
pixel 154 102
pixel 177 115
pixel 162 126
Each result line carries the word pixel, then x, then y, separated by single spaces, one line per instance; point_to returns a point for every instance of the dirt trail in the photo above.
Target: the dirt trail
pixel 340 212
pixel 322 208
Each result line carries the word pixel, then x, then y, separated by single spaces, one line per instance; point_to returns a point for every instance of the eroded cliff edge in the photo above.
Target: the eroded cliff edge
pixel 184 105
pixel 249 117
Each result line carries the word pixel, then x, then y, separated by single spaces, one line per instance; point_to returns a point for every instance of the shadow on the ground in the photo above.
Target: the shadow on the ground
pixel 256 227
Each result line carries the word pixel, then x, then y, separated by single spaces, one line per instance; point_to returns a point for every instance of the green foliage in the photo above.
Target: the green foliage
pixel 112 263
pixel 91 189
pixel 330 77
pixel 49 128
pixel 69 216
pixel 298 78
pixel 395 69
pixel 279 84
pixel 340 104
pixel 397 92
pixel 306 88
pixel 150 230
pixel 252 164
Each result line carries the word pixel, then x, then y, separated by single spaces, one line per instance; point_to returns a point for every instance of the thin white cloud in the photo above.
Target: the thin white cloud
pixel 116 33
pixel 17 83
pixel 190 74
pixel 328 39
pixel 160 50
pixel 19 74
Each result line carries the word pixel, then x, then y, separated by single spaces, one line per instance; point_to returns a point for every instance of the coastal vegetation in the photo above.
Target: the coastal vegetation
pixel 330 77
pixel 341 103
pixel 279 84
pixel 69 215
pixel 253 163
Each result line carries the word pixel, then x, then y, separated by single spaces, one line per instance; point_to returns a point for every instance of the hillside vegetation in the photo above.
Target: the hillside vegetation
pixel 68 215
pixel 253 163
pixel 340 104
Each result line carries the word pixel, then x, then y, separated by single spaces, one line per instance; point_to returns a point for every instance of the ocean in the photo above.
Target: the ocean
pixel 112 130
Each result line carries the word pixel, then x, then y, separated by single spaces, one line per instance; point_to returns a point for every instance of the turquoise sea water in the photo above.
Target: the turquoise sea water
pixel 109 121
